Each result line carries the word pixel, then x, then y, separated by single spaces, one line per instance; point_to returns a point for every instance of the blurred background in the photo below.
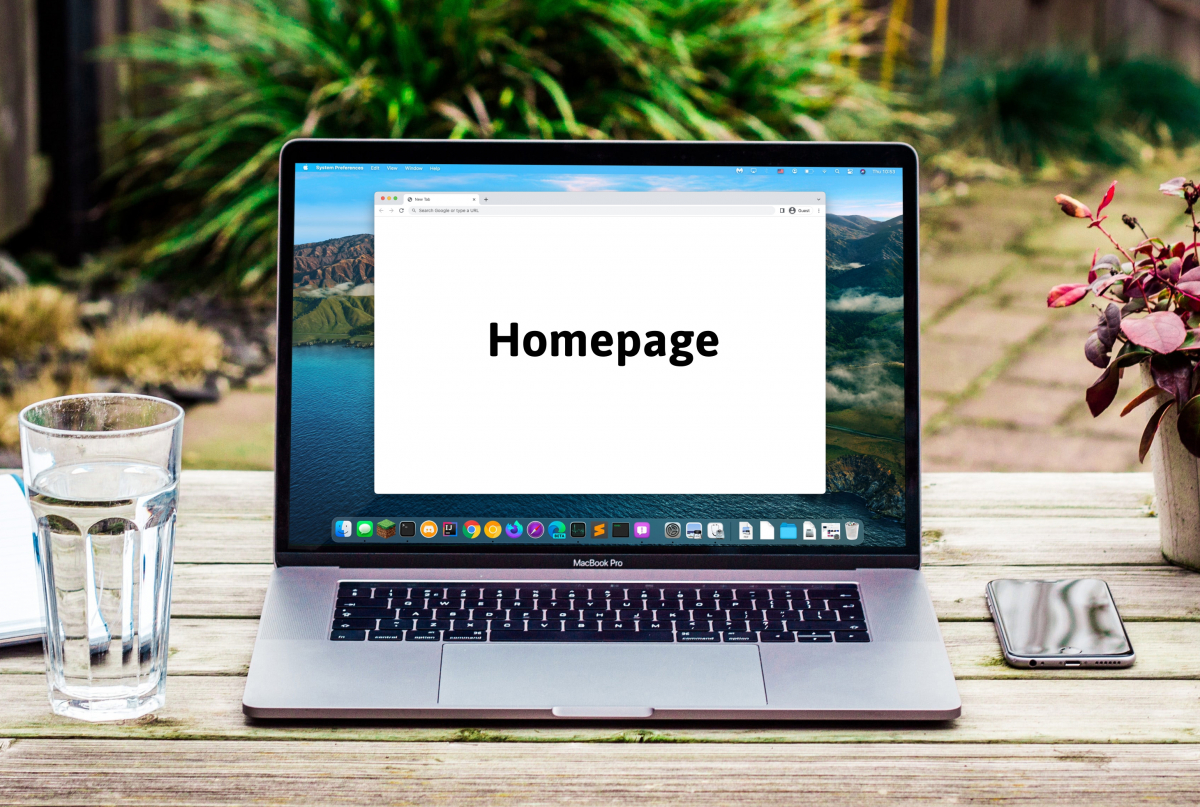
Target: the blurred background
pixel 139 140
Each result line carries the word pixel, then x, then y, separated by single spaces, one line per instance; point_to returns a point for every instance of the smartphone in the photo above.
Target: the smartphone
pixel 1058 623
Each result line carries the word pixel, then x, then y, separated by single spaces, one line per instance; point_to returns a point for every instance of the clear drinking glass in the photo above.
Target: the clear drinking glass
pixel 101 473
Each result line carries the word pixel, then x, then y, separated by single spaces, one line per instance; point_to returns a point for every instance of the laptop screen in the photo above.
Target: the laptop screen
pixel 520 356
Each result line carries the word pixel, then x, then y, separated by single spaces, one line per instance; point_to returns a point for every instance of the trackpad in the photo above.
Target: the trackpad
pixel 657 676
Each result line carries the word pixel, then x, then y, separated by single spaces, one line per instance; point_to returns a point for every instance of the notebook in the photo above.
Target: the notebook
pixel 20 590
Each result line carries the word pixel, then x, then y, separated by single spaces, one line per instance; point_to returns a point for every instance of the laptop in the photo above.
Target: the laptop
pixel 598 430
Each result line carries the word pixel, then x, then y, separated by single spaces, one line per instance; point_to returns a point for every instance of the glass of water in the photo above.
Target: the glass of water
pixel 101 472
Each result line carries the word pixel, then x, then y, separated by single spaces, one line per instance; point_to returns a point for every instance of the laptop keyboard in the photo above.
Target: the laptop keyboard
pixel 586 612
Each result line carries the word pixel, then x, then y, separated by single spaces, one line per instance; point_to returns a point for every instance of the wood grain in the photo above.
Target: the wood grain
pixel 223 647
pixel 204 772
pixel 1001 711
pixel 1037 494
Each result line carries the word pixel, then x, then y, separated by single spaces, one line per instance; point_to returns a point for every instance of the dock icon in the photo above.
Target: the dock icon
pixel 386 528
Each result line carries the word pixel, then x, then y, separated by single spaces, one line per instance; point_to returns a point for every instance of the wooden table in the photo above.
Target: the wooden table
pixel 1056 737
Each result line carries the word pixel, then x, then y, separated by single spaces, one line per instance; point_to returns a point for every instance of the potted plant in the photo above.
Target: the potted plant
pixel 1151 320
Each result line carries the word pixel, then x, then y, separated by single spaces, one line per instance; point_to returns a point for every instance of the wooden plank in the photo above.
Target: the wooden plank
pixel 197 647
pixel 223 493
pixel 1041 541
pixel 1105 495
pixel 223 647
pixel 1141 593
pixel 1013 711
pixel 219 590
pixel 210 538
pixel 1164 651
pixel 1153 593
pixel 204 772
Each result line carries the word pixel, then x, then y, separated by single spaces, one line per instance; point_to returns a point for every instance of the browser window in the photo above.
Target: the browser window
pixel 602 343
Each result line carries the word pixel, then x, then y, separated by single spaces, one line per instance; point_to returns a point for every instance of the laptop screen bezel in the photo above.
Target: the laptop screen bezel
pixel 603 153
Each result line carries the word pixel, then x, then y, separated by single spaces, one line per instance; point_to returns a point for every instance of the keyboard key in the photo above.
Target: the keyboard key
pixel 462 592
pixel 627 605
pixel 545 624
pixel 712 592
pixel 348 635
pixel 590 604
pixel 819 616
pixel 386 636
pixel 814 624
pixel 488 613
pixel 416 613
pixel 614 625
pixel 445 602
pixel 851 636
pixel 469 624
pixel 361 602
pixel 527 613
pixel 453 613
pixel 595 613
pixel 536 593
pixel 729 625
pixel 740 636
pixel 645 593
pixel 395 624
pixel 628 636
pixel 815 639
pixel 609 592
pixel 422 635
pixel 651 624
pixel 508 624
pixel 679 594
pixel 515 602
pixel 830 594
pixel 354 624
pixel 801 634
pixel 431 624
pixel 846 608
pixel 464 636
pixel 657 605
pixel 847 624
pixel 582 625
pixel 689 625
pixel 355 589
pixel 697 636
pixel 392 592
pixel 695 604
pixel 364 613
pixel 774 625
pixel 554 614
pixel 398 602
pixel 777 636
pixel 480 603
pixel 704 614
pixel 503 593
pixel 671 614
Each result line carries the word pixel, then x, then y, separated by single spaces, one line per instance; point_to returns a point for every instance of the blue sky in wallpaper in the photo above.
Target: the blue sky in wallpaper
pixel 335 200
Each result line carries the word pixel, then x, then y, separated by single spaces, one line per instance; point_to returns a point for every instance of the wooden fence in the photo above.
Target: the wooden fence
pixel 23 173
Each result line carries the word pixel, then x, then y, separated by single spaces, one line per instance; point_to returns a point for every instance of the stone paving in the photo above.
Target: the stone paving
pixel 1002 376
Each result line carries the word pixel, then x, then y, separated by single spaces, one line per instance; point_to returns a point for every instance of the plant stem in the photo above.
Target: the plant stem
pixel 1113 241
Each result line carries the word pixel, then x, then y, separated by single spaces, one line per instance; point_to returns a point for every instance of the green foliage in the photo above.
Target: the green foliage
pixel 1047 107
pixel 332 316
pixel 232 81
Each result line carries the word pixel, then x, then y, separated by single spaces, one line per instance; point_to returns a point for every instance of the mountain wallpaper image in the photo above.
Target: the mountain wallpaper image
pixel 333 303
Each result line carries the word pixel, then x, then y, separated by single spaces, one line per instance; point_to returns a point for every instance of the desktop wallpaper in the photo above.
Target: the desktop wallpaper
pixel 333 316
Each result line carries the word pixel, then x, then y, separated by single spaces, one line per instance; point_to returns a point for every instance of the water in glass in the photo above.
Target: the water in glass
pixel 105 533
